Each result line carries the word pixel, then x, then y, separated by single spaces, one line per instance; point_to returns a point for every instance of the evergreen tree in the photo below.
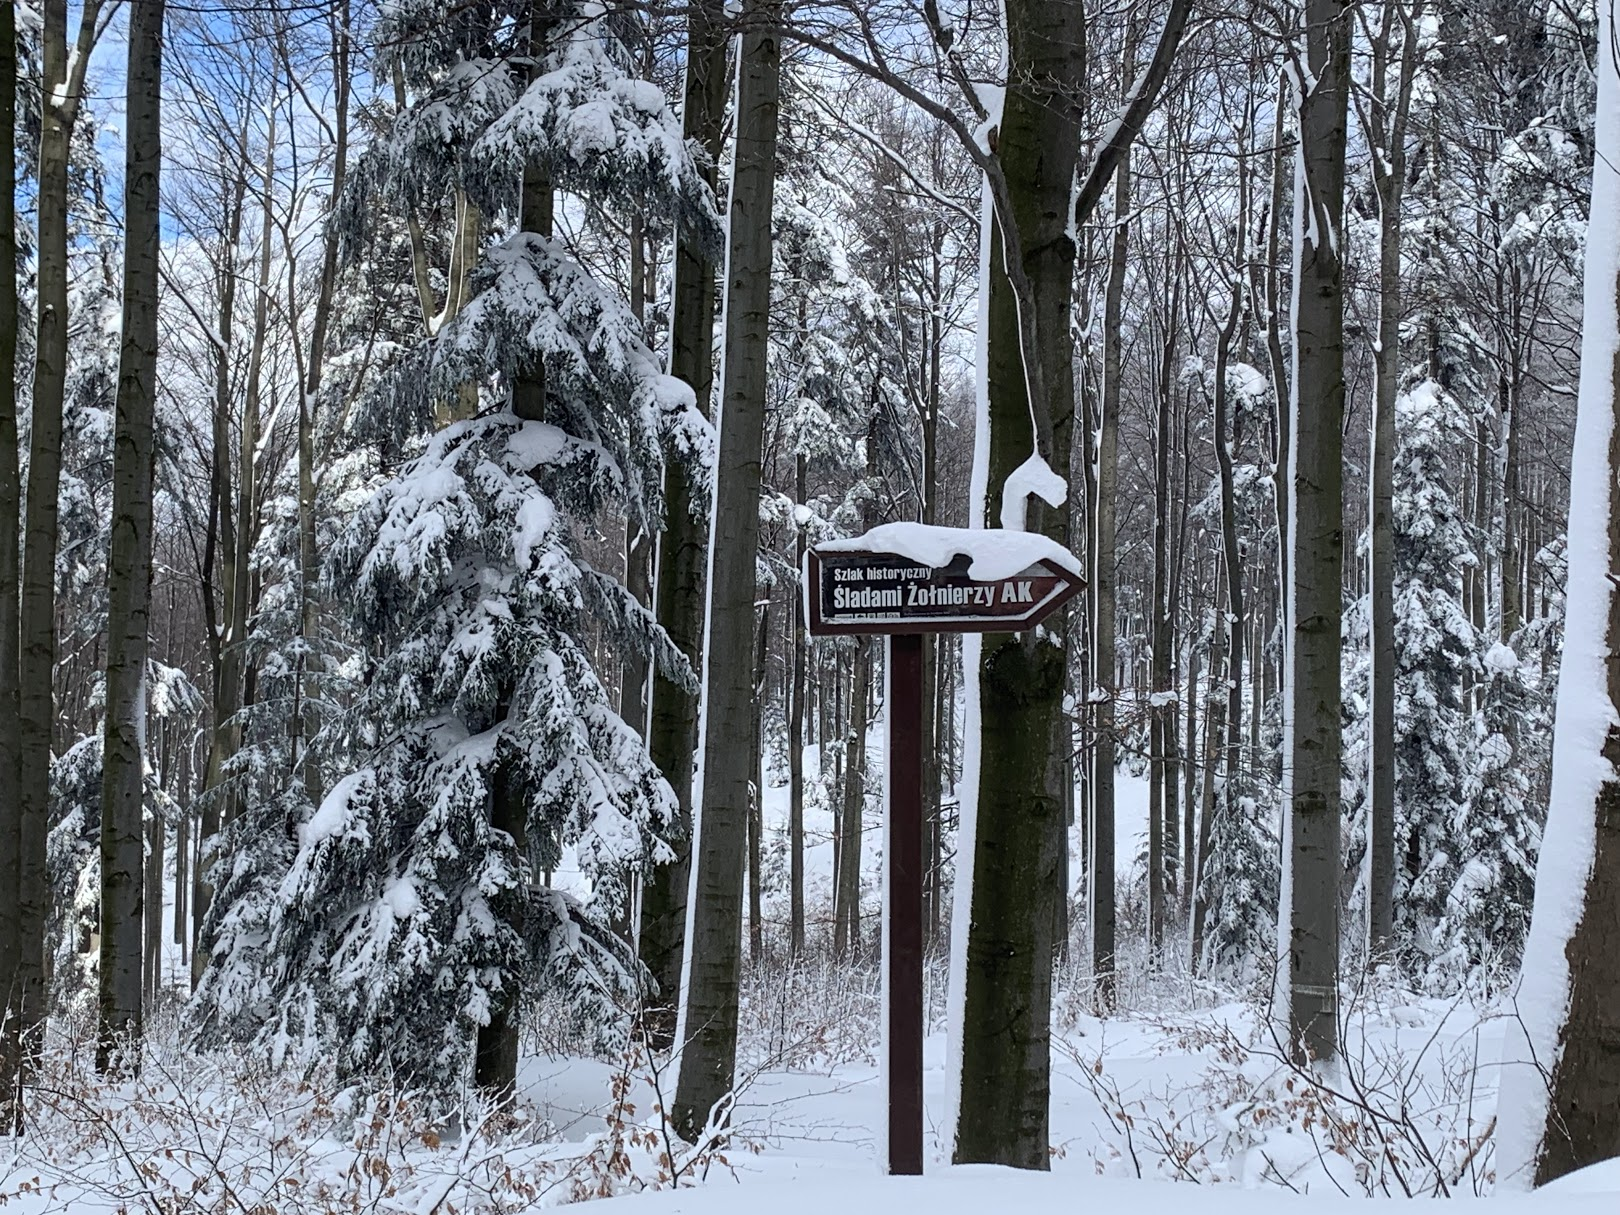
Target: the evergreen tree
pixel 1434 642
pixel 407 917
pixel 1497 828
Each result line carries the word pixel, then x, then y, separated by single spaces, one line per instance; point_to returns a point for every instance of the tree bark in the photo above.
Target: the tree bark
pixel 10 568
pixel 1214 731
pixel 1565 1113
pixel 708 1021
pixel 62 91
pixel 129 561
pixel 1191 758
pixel 1002 1115
pixel 756 800
pixel 1270 289
pixel 1161 636
pixel 673 720
pixel 1387 121
pixel 796 722
pixel 847 922
pixel 1105 603
pixel 1310 919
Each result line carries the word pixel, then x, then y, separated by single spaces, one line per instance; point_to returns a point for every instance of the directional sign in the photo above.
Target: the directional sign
pixel 869 592
pixel 862 585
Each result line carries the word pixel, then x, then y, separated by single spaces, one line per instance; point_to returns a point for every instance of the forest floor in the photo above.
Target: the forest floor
pixel 1140 1103
pixel 1185 1085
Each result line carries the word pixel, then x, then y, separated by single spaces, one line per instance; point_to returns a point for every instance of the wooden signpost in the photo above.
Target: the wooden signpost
pixel 904 581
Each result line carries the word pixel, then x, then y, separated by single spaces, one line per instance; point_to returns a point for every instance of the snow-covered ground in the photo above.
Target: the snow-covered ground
pixel 972 1190
pixel 1186 1087
pixel 1199 1101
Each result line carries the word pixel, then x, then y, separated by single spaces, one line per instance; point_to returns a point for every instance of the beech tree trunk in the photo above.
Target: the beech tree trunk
pixel 1020 822
pixel 796 721
pixel 1214 733
pixel 713 968
pixel 1162 638
pixel 1387 121
pixel 847 921
pixel 10 568
pixel 1105 605
pixel 672 737
pixel 1561 1086
pixel 756 801
pixel 63 89
pixel 1270 290
pixel 1311 743
pixel 129 561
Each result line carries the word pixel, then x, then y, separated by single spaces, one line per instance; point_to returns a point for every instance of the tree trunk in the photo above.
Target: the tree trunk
pixel 1562 1083
pixel 673 720
pixel 497 1048
pixel 708 1020
pixel 1272 293
pixel 796 721
pixel 847 922
pixel 1161 637
pixel 1214 730
pixel 1019 831
pixel 10 526
pixel 63 87
pixel 756 802
pixel 1105 602
pixel 1387 131
pixel 1189 781
pixel 129 561
pixel 1310 907
pixel 221 536
pixel 1512 617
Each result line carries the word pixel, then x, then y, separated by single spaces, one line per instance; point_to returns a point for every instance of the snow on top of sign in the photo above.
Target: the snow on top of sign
pixel 993 553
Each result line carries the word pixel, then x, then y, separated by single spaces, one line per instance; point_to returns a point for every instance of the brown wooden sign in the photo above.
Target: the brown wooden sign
pixel 869 592
pixel 861 586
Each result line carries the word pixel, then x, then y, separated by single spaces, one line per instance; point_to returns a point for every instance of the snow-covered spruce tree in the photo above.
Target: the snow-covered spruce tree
pixel 409 923
pixel 1434 642
pixel 1497 828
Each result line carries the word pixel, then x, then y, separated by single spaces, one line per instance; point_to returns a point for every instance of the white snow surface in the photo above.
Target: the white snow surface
pixel 1584 713
pixel 1501 658
pixel 972 1189
pixel 994 553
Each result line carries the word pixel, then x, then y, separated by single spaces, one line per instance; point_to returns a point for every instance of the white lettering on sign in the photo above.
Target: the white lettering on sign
pixel 846 597
pixel 1017 592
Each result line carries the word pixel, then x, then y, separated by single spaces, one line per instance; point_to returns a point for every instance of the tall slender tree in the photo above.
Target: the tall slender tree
pixel 129 560
pixel 672 737
pixel 707 1033
pixel 1308 919
pixel 10 527
pixel 62 94
pixel 1384 115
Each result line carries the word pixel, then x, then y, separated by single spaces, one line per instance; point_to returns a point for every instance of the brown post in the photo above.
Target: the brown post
pixel 861 588
pixel 903 925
